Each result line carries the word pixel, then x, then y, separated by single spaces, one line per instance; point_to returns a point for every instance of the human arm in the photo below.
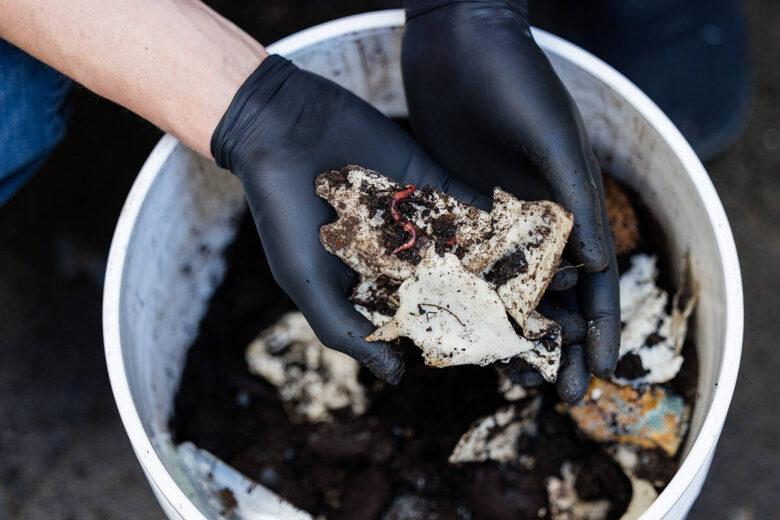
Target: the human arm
pixel 183 67
pixel 176 63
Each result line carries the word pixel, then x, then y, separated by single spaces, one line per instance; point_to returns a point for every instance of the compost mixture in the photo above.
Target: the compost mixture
pixel 392 459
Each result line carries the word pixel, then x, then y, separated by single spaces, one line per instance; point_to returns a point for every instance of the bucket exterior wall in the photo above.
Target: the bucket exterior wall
pixel 166 255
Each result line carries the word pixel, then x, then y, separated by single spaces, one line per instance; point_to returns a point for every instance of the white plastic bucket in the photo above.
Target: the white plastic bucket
pixel 166 255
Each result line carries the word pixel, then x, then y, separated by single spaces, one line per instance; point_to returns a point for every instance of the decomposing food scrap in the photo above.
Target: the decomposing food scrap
pixel 495 437
pixel 622 218
pixel 312 380
pixel 652 338
pixel 650 418
pixel 445 273
pixel 566 504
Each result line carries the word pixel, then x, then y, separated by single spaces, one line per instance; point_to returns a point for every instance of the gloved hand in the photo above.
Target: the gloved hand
pixel 485 102
pixel 284 127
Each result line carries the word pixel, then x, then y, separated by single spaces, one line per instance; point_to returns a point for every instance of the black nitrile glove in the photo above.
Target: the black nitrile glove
pixel 284 127
pixel 486 104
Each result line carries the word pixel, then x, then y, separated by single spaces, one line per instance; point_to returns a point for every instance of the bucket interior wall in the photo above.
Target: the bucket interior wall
pixel 174 258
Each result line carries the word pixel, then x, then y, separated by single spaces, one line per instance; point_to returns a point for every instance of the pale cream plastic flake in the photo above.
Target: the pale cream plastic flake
pixel 495 437
pixel 649 332
pixel 312 380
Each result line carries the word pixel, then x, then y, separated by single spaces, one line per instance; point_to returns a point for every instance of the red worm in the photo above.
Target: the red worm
pixel 412 236
pixel 409 228
pixel 399 197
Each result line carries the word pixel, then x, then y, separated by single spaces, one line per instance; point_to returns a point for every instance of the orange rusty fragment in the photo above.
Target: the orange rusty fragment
pixel 650 418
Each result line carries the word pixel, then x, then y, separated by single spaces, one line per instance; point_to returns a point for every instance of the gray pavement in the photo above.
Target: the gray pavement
pixel 745 476
pixel 63 452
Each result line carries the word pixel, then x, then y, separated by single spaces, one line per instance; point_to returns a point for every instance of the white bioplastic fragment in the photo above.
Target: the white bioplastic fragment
pixel 453 316
pixel 537 229
pixel 649 331
pixel 495 437
pixel 312 380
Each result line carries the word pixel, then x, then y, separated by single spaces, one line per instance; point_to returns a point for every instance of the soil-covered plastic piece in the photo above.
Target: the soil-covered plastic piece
pixel 445 254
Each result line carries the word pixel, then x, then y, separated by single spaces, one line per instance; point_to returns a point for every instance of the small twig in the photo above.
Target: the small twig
pixel 559 269
pixel 442 308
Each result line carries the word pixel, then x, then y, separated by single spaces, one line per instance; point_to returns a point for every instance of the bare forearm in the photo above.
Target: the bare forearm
pixel 176 63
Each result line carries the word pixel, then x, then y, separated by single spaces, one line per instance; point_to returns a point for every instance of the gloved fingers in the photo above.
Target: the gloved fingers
pixel 573 376
pixel 569 178
pixel 463 193
pixel 422 171
pixel 600 297
pixel 339 326
pixel 521 373
pixel 549 129
pixel 565 277
pixel 573 326
pixel 528 378
pixel 319 284
pixel 600 300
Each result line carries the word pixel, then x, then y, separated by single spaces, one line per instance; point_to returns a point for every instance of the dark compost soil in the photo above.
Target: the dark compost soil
pixel 354 468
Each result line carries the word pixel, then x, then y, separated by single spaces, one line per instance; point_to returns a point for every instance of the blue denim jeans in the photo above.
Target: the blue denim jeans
pixel 33 114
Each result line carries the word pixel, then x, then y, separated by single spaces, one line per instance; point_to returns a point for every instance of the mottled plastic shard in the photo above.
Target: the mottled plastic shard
pixel 566 504
pixel 650 333
pixel 453 316
pixel 643 493
pixel 514 249
pixel 313 381
pixel 649 418
pixel 495 437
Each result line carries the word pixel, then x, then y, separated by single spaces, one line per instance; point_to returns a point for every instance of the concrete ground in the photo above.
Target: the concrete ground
pixel 63 451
